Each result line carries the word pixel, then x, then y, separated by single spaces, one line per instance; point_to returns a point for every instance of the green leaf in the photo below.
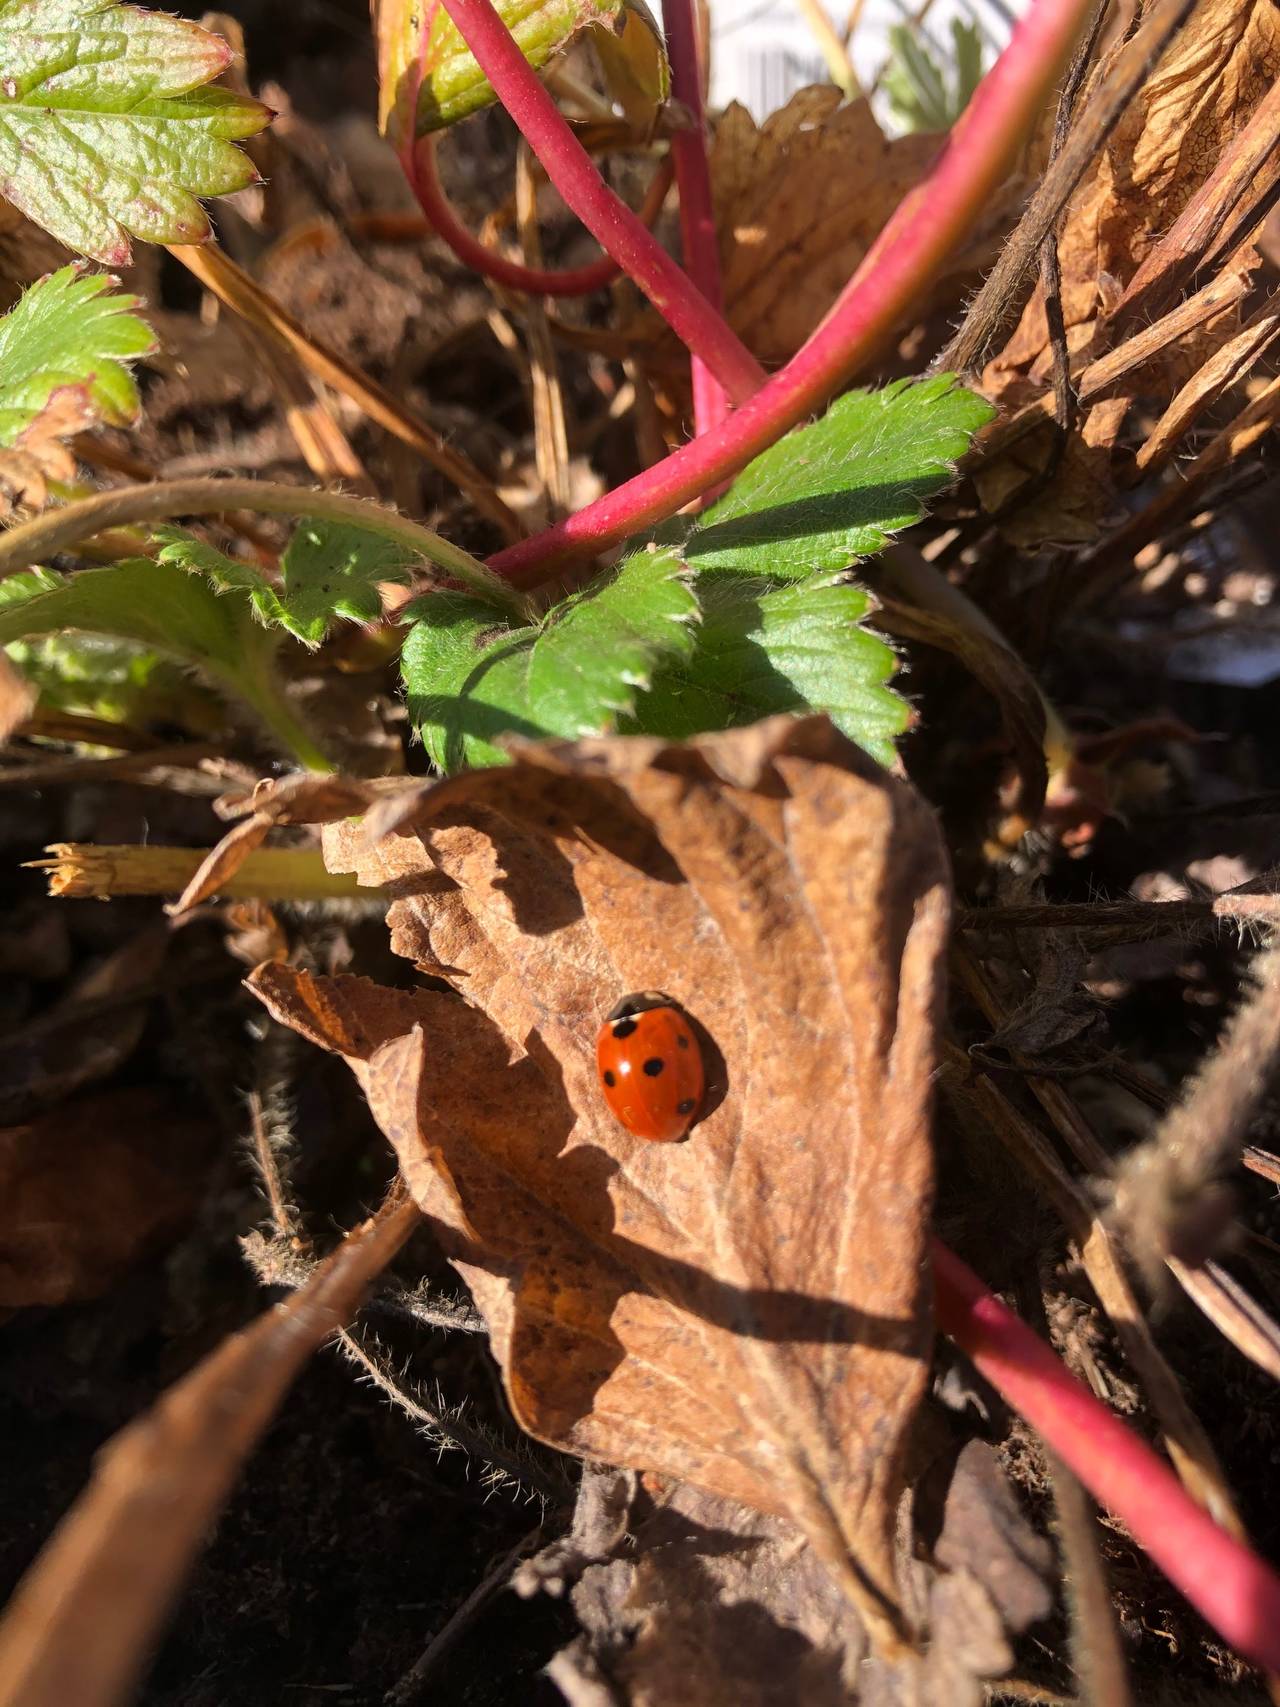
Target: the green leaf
pixel 106 130
pixel 923 94
pixel 180 616
pixel 466 679
pixel 68 333
pixel 596 650
pixel 766 647
pixel 469 679
pixel 836 490
pixel 329 569
pixel 422 55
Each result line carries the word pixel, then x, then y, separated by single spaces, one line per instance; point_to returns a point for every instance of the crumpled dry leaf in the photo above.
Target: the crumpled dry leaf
pixel 38 455
pixel 791 235
pixel 89 1189
pixel 684 1596
pixel 1201 94
pixel 749 1310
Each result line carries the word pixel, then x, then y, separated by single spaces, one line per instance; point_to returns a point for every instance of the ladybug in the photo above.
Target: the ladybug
pixel 650 1067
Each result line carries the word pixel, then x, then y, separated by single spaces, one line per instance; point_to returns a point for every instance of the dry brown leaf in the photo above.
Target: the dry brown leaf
pixel 17 699
pixel 38 455
pixel 791 234
pixel 749 1310
pixel 89 1189
pixel 81 1623
pixel 686 1597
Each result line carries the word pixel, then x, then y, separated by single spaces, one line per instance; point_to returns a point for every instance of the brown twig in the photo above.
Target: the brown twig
pixel 1004 291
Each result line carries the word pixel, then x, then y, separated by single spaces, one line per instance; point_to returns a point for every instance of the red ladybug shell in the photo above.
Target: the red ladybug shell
pixel 650 1068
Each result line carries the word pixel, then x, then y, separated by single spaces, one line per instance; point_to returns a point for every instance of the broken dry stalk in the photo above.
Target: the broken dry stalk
pixel 244 296
pixel 85 870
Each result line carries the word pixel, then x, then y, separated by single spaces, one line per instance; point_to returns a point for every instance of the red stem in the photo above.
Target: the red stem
pixel 925 228
pixel 1234 1589
pixel 697 214
pixel 691 317
pixel 424 180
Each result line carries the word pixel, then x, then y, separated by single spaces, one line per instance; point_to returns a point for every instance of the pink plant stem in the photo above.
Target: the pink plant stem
pixel 925 228
pixel 424 180
pixel 691 317
pixel 697 214
pixel 1234 1589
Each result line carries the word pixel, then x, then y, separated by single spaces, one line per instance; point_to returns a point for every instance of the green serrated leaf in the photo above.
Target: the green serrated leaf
pixel 422 55
pixel 69 333
pixel 181 616
pixel 834 491
pixel 468 679
pixel 329 569
pixel 766 647
pixel 106 130
pixel 597 651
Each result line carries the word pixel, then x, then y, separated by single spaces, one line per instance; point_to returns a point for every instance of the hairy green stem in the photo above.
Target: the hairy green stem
pixel 163 500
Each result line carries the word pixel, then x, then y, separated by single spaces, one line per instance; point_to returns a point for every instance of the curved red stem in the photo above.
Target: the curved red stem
pixel 926 227
pixel 1230 1585
pixel 424 180
pixel 697 213
pixel 691 317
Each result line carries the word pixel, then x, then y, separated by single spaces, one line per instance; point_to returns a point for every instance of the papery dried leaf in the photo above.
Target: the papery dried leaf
pixel 684 1596
pixel 89 1189
pixel 791 234
pixel 747 1311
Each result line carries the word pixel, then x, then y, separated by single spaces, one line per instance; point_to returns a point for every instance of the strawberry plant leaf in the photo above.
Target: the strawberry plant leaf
pixel 179 616
pixel 768 646
pixel 835 491
pixel 469 678
pixel 69 333
pixel 597 650
pixel 106 128
pixel 466 679
pixel 329 569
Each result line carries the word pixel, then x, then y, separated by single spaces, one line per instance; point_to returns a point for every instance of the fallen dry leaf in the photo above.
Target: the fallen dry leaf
pixel 685 1596
pixel 89 1189
pixel 749 1310
pixel 791 235
pixel 81 1624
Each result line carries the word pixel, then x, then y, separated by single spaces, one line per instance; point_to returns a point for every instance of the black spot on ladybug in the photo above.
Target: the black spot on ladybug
pixel 609 1078
pixel 683 1041
pixel 685 1107
pixel 654 1065
pixel 623 1027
